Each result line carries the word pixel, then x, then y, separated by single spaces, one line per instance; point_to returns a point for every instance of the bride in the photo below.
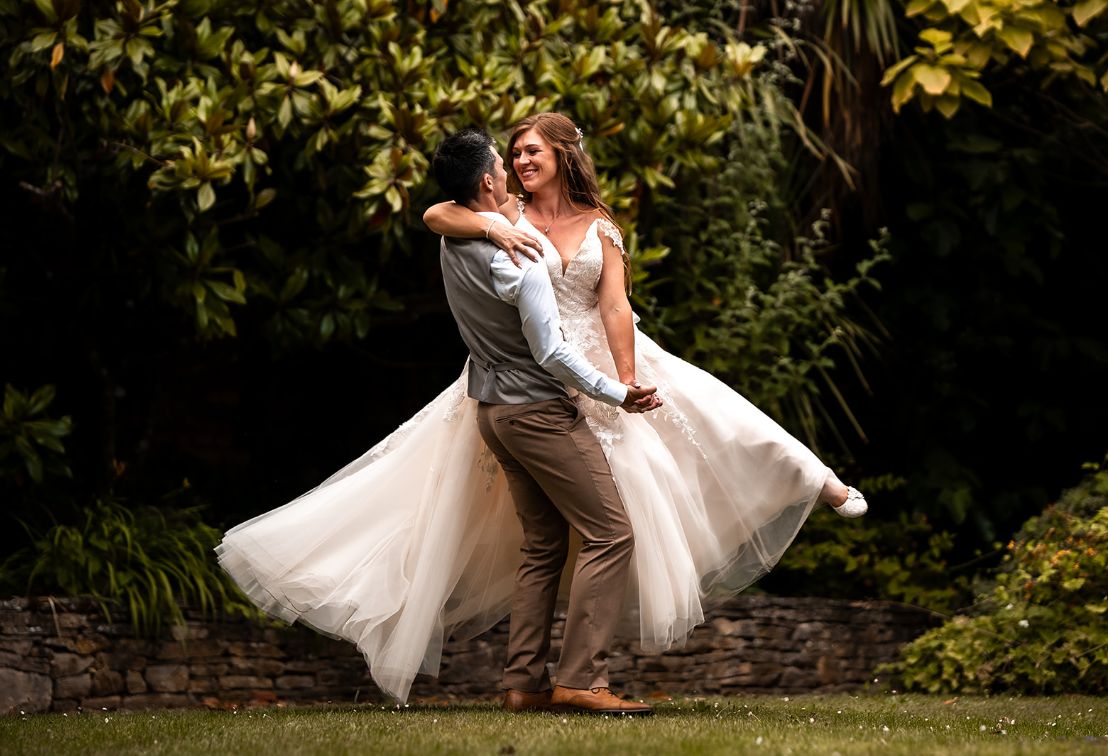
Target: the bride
pixel 417 540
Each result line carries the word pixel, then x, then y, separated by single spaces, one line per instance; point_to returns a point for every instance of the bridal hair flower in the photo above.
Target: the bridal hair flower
pixel 580 137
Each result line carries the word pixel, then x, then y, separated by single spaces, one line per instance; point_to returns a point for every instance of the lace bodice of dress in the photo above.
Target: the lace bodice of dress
pixel 575 289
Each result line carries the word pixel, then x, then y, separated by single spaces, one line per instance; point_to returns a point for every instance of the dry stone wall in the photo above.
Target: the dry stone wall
pixel 62 654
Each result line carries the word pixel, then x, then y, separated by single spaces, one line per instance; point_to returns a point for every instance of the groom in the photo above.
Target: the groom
pixel 519 367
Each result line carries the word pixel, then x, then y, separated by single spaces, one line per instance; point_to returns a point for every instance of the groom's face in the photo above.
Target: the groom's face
pixel 499 178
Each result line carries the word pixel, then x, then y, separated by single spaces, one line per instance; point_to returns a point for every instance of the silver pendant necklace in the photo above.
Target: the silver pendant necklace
pixel 546 230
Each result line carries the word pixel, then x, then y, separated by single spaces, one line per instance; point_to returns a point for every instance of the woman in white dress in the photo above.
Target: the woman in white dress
pixel 418 540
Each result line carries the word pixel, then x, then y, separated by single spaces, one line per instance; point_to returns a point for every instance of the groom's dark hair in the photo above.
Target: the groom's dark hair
pixel 460 162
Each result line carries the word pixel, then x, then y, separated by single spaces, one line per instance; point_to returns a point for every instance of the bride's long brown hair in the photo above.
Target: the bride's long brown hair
pixel 576 171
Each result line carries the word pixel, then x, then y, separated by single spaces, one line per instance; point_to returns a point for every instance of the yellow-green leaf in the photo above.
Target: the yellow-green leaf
pixel 894 70
pixel 1087 10
pixel 948 105
pixel 902 90
pixel 226 293
pixel 916 7
pixel 1017 38
pixel 264 197
pixel 47 9
pixel 977 92
pixel 205 196
pixel 933 79
pixel 937 38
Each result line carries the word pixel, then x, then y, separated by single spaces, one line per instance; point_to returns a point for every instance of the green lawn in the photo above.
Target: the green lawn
pixel 885 724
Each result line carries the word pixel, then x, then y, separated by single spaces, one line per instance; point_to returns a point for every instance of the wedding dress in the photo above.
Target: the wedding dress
pixel 417 540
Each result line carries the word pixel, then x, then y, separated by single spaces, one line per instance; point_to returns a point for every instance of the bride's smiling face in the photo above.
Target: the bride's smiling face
pixel 534 161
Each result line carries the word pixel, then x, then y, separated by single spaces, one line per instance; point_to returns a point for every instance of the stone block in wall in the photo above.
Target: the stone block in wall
pixel 307 665
pixel 74 686
pixel 167 678
pixel 240 648
pixel 258 667
pixel 209 670
pixel 135 647
pixel 83 645
pixel 698 643
pixel 24 691
pixel 122 661
pixel 192 649
pixel 796 679
pixel 811 631
pixel 279 636
pixel 136 683
pixel 16 646
pixel 619 663
pixel 70 621
pixel 114 629
pixel 188 632
pixel 293 682
pixel 233 682
pixel 24 663
pixel 203 685
pixel 64 665
pixel 106 682
pixel 830 670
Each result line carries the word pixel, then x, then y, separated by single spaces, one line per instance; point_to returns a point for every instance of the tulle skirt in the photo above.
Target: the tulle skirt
pixel 417 541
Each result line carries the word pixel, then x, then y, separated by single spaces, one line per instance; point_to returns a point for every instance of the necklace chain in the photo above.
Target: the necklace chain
pixel 553 218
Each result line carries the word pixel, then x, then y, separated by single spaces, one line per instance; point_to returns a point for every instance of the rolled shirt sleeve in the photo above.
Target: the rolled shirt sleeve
pixel 529 289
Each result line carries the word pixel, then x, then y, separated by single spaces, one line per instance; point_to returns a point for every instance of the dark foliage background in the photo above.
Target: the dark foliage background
pixel 227 330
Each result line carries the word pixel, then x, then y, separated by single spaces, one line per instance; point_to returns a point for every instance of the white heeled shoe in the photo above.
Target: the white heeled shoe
pixel 854 506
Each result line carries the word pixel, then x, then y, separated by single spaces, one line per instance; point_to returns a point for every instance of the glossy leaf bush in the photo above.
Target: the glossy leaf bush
pixel 1042 627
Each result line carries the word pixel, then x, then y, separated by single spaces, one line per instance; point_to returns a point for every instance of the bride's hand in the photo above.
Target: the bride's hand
pixel 515 242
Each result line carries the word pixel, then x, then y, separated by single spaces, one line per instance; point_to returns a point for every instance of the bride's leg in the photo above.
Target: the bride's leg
pixel 846 501
pixel 834 491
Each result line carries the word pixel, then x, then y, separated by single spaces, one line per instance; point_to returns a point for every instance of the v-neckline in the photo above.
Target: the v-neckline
pixel 564 263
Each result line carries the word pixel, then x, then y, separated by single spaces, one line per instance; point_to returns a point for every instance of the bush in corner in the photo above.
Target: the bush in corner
pixel 1041 628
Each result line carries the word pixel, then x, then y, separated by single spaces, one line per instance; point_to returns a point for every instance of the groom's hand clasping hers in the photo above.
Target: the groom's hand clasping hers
pixel 641 399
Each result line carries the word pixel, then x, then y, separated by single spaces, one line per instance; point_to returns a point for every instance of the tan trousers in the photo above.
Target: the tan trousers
pixel 559 479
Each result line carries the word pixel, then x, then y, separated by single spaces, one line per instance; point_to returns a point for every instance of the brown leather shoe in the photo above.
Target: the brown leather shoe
pixel 595 701
pixel 521 700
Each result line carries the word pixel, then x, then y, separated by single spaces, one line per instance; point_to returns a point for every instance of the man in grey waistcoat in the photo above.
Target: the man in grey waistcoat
pixel 519 367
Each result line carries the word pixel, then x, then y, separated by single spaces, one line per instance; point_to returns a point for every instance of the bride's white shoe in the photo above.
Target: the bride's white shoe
pixel 854 506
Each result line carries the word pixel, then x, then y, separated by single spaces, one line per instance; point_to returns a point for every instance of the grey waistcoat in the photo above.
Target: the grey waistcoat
pixel 501 368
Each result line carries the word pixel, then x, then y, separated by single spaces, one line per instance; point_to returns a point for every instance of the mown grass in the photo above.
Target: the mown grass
pixel 885 724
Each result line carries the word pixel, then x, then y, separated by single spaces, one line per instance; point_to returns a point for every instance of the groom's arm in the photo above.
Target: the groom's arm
pixel 529 289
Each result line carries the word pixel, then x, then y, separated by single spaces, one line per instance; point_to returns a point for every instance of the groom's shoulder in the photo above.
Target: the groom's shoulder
pixel 468 245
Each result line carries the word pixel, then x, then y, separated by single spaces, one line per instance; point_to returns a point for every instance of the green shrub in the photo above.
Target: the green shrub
pixel 900 560
pixel 147 560
pixel 31 445
pixel 1042 627
pixel 747 296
